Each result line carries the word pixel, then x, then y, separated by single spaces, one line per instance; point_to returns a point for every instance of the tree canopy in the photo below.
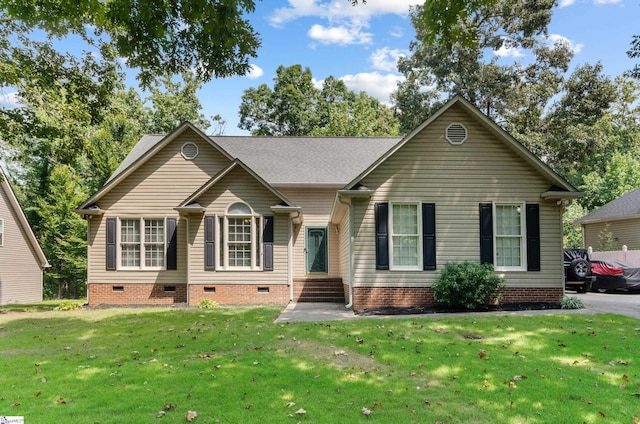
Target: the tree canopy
pixel 211 37
pixel 295 107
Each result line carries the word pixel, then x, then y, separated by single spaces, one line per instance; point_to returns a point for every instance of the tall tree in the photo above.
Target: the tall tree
pixel 211 36
pixel 174 102
pixel 296 107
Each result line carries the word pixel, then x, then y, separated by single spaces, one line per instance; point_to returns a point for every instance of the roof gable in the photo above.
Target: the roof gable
pixel 566 189
pixel 22 219
pixel 144 150
pixel 236 163
pixel 624 207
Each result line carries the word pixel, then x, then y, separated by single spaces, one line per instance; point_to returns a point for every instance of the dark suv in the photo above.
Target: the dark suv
pixel 577 270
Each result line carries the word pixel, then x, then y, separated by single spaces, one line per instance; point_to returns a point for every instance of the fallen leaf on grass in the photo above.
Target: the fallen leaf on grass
pixel 191 415
pixel 301 411
pixel 290 404
pixel 160 414
pixel 482 354
pixel 61 401
pixel 519 377
pixel 169 406
pixel 15 405
pixel 366 411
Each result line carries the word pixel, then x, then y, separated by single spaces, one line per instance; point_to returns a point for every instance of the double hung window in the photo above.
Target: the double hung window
pixel 405 236
pixel 142 243
pixel 509 237
pixel 240 238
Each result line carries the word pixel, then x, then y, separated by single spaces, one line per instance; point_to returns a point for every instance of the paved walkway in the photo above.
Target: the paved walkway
pixel 325 311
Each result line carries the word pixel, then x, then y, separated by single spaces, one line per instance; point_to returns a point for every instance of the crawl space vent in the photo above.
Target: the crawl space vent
pixel 189 151
pixel 456 133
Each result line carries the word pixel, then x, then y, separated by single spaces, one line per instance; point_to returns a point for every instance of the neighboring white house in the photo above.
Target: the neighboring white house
pixel 21 258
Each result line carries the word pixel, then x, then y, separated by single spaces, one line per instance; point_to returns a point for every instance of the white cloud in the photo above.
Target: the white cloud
pixel 505 51
pixel 345 22
pixel 607 1
pixel 373 83
pixel 566 3
pixel 339 35
pixel 255 72
pixel 9 100
pixel 386 59
pixel 556 38
pixel 339 10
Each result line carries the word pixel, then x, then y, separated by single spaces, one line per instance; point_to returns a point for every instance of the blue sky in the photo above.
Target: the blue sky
pixel 361 44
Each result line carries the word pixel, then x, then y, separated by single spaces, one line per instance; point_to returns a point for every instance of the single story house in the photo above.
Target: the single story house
pixel 620 217
pixel 268 220
pixel 21 258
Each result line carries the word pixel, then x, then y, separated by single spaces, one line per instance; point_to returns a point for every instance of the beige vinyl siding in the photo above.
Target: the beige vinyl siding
pixel 456 178
pixel 626 233
pixel 20 272
pixel 316 204
pixel 152 191
pixel 343 246
pixel 238 186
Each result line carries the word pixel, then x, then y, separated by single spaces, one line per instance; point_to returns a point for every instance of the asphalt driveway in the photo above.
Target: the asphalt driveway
pixel 622 303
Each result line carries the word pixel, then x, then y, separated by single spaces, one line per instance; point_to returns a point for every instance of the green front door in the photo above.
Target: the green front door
pixel 317 250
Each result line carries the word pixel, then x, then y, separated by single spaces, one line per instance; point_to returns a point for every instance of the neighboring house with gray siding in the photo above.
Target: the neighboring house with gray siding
pixel 620 218
pixel 21 258
pixel 267 220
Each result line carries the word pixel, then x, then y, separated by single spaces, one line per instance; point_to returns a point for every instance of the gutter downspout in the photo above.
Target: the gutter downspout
pixel 350 235
pixel 188 261
pixel 290 246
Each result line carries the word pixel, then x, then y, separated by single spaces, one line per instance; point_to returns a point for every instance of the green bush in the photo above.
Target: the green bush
pixel 571 302
pixel 467 285
pixel 208 304
pixel 68 306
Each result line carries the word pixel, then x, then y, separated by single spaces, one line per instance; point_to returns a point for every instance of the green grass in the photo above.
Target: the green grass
pixel 47 305
pixel 234 365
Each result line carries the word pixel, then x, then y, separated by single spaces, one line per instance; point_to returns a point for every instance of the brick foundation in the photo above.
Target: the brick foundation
pixel 240 294
pixel 379 297
pixel 136 294
pixel 162 294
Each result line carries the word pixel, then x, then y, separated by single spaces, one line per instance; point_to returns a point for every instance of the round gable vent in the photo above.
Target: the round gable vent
pixel 456 133
pixel 189 150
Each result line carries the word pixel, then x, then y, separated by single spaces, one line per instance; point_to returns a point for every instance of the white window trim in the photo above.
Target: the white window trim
pixel 523 237
pixel 256 240
pixel 392 266
pixel 1 232
pixel 142 266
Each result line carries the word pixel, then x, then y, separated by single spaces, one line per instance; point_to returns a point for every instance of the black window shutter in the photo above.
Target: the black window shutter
pixel 533 237
pixel 209 242
pixel 429 236
pixel 486 233
pixel 267 243
pixel 172 243
pixel 111 244
pixel 382 235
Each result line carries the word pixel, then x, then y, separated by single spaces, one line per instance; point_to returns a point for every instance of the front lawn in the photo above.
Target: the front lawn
pixel 234 365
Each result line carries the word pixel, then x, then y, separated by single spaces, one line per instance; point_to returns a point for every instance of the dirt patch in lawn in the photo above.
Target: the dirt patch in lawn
pixel 440 309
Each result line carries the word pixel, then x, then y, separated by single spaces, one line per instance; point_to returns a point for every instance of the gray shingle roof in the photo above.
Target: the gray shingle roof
pixel 625 206
pixel 307 160
pixel 333 161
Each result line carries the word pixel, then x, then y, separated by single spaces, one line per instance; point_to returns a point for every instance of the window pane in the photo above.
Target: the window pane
pixel 508 251
pixel 508 220
pixel 405 219
pixel 130 255
pixel 154 255
pixel 405 251
pixel 130 231
pixel 154 231
pixel 239 209
pixel 239 242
